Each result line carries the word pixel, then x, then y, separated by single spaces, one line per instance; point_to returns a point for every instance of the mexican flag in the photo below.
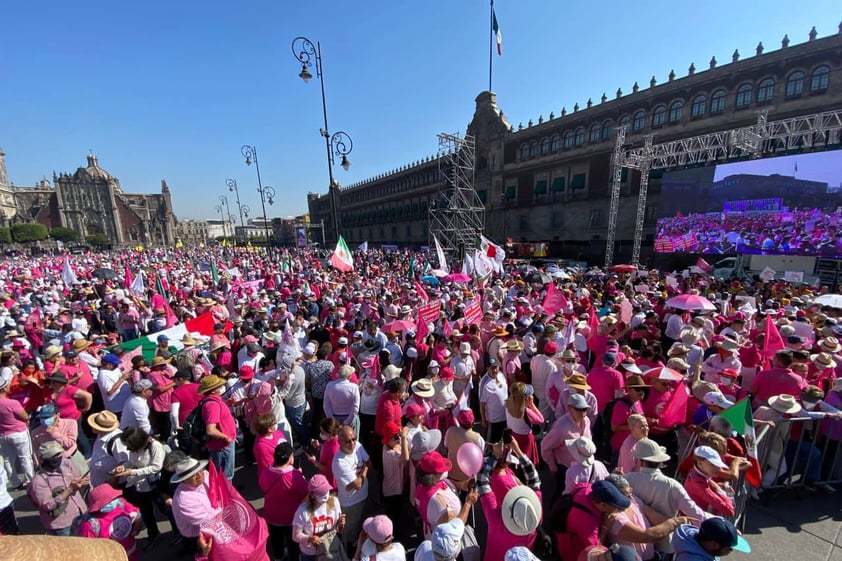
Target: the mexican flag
pixel 200 326
pixel 739 415
pixel 342 258
pixel 497 34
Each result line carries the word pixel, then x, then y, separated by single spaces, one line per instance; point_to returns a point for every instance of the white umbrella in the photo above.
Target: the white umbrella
pixel 832 300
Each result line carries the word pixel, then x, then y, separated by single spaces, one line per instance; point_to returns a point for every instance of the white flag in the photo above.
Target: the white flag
pixel 493 251
pixel 440 253
pixel 138 288
pixel 482 264
pixel 468 265
pixel 68 277
pixel 464 399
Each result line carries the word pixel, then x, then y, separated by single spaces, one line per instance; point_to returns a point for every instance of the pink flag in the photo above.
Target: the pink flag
pixel 422 331
pixel 704 265
pixel 159 302
pixel 593 322
pixel 772 343
pixel 675 411
pixel 554 300
pixel 445 328
pixel 421 292
pixel 238 533
pixel 127 281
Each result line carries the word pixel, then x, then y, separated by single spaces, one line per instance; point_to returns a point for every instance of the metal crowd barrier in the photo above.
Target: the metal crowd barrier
pixel 787 461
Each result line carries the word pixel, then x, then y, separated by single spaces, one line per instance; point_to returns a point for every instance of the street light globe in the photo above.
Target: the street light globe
pixel 305 74
pixel 345 163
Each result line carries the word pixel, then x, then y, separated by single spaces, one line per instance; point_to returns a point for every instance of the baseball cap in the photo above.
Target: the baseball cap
pixel 378 529
pixel 446 539
pixel 606 492
pixel 577 401
pixel 716 398
pixel 724 533
pixel 709 454
pixel 110 358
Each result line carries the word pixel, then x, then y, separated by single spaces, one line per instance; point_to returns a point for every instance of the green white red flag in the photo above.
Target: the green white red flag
pixel 342 259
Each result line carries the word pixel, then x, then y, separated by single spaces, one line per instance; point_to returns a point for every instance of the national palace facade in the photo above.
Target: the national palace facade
pixel 549 179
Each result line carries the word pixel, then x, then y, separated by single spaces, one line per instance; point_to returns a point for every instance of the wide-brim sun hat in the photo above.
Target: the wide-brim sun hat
pixel 210 383
pixel 648 450
pixel 521 510
pixel 785 404
pixel 104 421
pixel 188 468
pixel 423 388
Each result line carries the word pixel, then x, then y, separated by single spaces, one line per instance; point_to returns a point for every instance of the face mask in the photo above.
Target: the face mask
pixel 50 421
pixel 321 499
pixel 110 506
pixel 444 476
pixel 726 381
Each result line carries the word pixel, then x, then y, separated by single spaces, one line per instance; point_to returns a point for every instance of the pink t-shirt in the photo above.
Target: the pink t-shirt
pixel 285 488
pixel 626 460
pixel 633 515
pixel 188 396
pixel 264 450
pixel 620 416
pixel 160 401
pixel 215 411
pixel 329 450
pixel 86 380
pixel 66 405
pixel 9 424
pixel 394 472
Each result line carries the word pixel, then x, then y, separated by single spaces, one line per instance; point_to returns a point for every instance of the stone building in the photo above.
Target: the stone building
pixel 192 232
pixel 91 201
pixel 550 179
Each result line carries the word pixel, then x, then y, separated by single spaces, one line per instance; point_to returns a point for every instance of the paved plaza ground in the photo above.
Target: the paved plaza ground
pixel 797 526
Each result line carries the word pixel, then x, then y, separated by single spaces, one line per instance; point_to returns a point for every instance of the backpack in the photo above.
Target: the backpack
pixel 184 360
pixel 561 510
pixel 194 431
pixel 606 415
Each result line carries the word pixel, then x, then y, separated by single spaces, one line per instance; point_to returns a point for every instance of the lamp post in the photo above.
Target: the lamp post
pixel 266 193
pixel 224 201
pixel 337 144
pixel 221 210
pixel 243 209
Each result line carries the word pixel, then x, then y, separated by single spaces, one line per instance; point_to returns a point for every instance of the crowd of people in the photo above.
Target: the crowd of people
pixel 796 232
pixel 426 436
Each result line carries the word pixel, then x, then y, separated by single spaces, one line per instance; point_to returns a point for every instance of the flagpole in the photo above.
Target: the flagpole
pixel 490 42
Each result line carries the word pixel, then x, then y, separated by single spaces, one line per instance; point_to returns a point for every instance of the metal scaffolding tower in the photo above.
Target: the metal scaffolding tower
pixel 765 138
pixel 457 216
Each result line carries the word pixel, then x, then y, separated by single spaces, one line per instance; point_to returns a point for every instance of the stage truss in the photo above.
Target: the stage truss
pixel 457 216
pixel 765 138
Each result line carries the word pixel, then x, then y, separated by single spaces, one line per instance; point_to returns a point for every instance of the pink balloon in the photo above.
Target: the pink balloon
pixel 469 459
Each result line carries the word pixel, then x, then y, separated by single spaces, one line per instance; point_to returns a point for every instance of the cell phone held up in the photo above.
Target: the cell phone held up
pixel 507 436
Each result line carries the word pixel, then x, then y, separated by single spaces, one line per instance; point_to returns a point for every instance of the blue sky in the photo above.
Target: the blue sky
pixel 818 166
pixel 173 89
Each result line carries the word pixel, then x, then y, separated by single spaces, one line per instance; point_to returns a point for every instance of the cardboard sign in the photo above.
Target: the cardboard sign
pixel 794 276
pixel 767 274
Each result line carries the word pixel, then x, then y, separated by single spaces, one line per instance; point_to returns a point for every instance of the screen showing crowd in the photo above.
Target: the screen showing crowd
pixel 788 205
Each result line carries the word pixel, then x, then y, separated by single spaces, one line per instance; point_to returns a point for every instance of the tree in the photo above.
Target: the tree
pixel 62 234
pixel 29 232
pixel 5 235
pixel 98 239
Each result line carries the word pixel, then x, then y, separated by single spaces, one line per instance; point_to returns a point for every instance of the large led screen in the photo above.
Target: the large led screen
pixel 788 205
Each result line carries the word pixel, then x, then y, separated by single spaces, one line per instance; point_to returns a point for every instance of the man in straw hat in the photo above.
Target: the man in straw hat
pixel 220 425
pixel 656 490
pixel 108 451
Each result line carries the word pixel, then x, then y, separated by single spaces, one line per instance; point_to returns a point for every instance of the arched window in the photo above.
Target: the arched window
pixel 766 90
pixel 579 139
pixel 820 79
pixel 593 135
pixel 568 139
pixel 607 130
pixel 717 102
pixel 625 121
pixel 697 108
pixel 524 151
pixel 533 149
pixel 795 84
pixel 676 111
pixel 743 99
pixel 554 144
pixel 639 121
pixel 545 146
pixel 659 116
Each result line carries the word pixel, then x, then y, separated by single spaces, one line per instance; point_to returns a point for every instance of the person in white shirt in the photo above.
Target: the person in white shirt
pixel 543 366
pixel 463 368
pixel 136 409
pixel 114 384
pixel 351 465
pixel 379 543
pixel 250 355
pixel 342 399
pixel 493 393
